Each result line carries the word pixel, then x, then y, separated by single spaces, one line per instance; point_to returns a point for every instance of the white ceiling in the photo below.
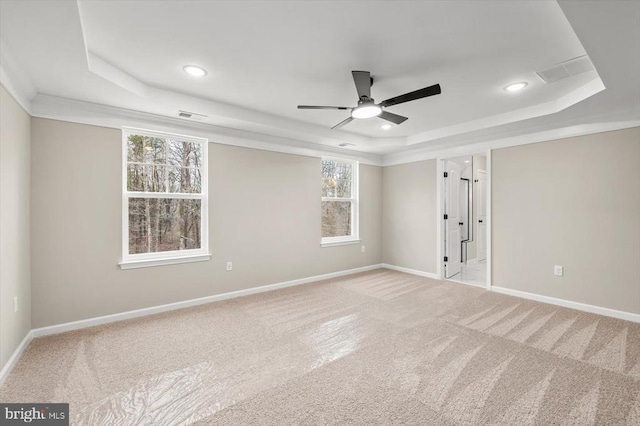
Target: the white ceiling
pixel 266 57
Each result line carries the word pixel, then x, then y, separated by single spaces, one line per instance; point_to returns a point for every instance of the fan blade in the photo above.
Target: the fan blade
pixel 412 96
pixel 342 123
pixel 363 83
pixel 394 118
pixel 320 107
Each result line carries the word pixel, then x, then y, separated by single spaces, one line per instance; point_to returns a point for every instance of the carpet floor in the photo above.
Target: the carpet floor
pixel 380 347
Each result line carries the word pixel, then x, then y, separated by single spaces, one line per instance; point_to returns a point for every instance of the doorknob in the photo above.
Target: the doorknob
pixel 480 221
pixel 460 223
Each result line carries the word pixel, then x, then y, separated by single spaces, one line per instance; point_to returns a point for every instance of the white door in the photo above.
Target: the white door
pixel 482 215
pixel 452 219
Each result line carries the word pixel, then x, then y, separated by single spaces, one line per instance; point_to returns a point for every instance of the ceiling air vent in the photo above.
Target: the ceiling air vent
pixel 192 115
pixel 566 69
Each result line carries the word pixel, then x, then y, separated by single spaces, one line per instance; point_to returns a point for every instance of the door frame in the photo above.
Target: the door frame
pixel 451 225
pixel 440 208
pixel 484 172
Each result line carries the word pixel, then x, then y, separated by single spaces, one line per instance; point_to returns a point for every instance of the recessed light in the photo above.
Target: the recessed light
pixel 194 70
pixel 514 87
pixel 386 127
pixel 467 161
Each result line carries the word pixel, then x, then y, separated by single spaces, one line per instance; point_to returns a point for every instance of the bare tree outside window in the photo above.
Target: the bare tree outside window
pixel 164 189
pixel 339 199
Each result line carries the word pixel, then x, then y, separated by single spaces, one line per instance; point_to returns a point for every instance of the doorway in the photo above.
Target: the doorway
pixel 465 219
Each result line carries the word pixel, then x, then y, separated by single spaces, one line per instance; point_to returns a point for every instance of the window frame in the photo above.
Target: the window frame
pixel 354 238
pixel 141 260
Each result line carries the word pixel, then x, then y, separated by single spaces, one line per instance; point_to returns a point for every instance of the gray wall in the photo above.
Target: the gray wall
pixel 579 199
pixel 264 212
pixel 571 202
pixel 15 152
pixel 576 203
pixel 409 221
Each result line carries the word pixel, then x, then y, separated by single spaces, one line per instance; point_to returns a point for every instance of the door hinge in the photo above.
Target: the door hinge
pixel 446 174
pixel 446 216
pixel 475 180
pixel 446 259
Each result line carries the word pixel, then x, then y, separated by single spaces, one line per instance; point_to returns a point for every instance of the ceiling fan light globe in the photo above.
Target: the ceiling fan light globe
pixel 366 111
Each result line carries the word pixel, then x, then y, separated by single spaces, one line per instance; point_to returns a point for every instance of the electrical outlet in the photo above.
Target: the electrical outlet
pixel 558 270
pixel 363 249
pixel 229 266
pixel 15 304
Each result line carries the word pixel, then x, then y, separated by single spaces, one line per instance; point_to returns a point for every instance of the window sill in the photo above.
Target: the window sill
pixel 340 243
pixel 146 263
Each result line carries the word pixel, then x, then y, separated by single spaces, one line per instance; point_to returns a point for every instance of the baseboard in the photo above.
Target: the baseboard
pixel 628 316
pixel 91 322
pixel 4 373
pixel 410 271
pixel 472 262
pixel 75 325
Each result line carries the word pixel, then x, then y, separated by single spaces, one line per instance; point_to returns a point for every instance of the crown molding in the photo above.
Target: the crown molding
pixel 15 82
pixel 70 110
pixel 523 139
pixel 63 109
pixel 586 90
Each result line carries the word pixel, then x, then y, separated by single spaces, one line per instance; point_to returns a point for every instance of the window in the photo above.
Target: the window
pixel 164 199
pixel 339 201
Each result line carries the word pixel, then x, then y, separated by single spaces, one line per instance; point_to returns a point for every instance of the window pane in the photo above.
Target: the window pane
pixel 336 179
pixel 146 178
pixel 185 180
pixel 135 148
pixel 146 149
pixel 184 154
pixel 336 218
pixel 163 224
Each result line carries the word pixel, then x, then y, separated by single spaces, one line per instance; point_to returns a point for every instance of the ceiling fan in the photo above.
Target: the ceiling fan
pixel 367 108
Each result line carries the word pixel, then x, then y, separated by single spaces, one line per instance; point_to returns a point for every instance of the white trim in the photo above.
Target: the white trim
pixel 13 80
pixel 143 260
pixel 440 214
pixel 145 263
pixel 74 111
pixel 628 316
pixel 17 94
pixel 341 243
pixel 90 322
pixel 63 109
pixel 154 133
pixel 489 217
pixel 410 271
pixel 439 225
pixel 553 106
pixel 471 147
pixel 472 262
pixel 354 238
pixel 11 362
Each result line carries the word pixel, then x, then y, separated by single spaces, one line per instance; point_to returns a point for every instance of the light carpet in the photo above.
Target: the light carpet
pixel 381 347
